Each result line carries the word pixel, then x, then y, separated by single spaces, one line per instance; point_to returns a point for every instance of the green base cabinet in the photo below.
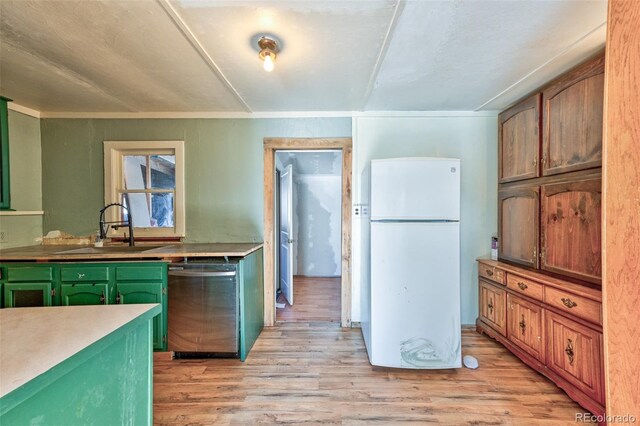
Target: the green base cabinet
pixel 108 383
pixel 84 294
pixel 251 301
pixel 86 283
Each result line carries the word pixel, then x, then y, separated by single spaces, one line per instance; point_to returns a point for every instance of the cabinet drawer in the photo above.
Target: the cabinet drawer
pixel 493 303
pixel 29 273
pixel 575 353
pixel 491 273
pixel 527 287
pixel 85 273
pixel 572 304
pixel 140 272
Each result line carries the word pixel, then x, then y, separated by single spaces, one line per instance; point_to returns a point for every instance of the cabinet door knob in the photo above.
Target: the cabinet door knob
pixel 523 325
pixel 522 286
pixel 569 351
pixel 568 302
pixel 490 306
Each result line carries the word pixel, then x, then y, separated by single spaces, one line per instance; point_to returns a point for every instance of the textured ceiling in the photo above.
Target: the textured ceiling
pixel 374 55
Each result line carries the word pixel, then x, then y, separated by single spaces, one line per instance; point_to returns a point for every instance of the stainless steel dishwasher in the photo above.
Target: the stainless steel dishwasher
pixel 203 314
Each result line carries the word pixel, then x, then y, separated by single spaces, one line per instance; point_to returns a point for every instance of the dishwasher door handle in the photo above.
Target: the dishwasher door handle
pixel 202 273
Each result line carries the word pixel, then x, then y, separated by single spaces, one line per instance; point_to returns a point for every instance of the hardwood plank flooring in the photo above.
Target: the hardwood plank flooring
pixel 317 372
pixel 314 299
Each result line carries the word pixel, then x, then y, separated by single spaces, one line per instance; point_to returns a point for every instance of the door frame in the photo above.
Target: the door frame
pixel 271 145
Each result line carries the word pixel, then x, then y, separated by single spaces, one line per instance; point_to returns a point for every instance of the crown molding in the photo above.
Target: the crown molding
pixel 264 114
pixel 24 110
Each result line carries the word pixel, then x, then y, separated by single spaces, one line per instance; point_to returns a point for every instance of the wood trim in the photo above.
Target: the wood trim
pixel 621 209
pixel 270 147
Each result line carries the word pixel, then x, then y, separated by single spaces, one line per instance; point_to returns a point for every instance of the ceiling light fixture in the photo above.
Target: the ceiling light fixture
pixel 268 49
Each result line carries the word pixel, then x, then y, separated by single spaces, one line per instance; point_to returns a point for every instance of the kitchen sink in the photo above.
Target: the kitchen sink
pixel 110 249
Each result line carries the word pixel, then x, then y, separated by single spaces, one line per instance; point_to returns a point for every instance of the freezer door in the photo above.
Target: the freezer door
pixel 415 189
pixel 415 295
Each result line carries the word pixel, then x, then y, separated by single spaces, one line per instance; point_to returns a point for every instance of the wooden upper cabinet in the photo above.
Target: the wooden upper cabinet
pixel 519 140
pixel 572 116
pixel 518 220
pixel 571 229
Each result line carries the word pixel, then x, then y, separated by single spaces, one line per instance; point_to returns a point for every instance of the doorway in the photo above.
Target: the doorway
pixel 273 236
pixel 308 230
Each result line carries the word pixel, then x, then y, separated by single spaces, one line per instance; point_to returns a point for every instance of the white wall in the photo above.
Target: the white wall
pixel 318 213
pixel 472 137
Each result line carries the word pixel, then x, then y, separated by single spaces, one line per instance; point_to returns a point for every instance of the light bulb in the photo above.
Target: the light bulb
pixel 268 63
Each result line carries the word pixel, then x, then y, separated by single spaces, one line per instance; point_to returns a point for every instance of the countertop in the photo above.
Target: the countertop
pixel 140 252
pixel 34 340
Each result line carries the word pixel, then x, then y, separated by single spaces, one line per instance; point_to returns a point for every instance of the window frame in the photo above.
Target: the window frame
pixel 114 151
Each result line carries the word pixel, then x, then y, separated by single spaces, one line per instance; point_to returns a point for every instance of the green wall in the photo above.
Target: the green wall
pixel 26 182
pixel 224 169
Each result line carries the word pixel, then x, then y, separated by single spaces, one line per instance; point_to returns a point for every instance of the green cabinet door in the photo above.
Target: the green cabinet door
pixel 84 294
pixel 26 295
pixel 153 292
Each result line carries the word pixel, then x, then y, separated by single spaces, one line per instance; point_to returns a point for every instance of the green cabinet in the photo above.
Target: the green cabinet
pixel 29 286
pixel 88 283
pixel 27 295
pixel 154 292
pixel 84 294
pixel 251 301
pixel 145 284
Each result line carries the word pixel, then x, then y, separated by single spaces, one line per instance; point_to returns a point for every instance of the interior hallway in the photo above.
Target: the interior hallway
pixel 314 299
pixel 319 373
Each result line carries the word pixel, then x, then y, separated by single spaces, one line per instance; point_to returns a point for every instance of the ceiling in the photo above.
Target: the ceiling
pixel 189 56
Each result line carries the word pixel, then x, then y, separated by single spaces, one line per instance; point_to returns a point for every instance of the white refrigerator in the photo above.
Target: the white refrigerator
pixel 411 268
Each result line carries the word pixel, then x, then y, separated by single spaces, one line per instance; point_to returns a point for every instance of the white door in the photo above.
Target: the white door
pixel 286 237
pixel 415 295
pixel 415 189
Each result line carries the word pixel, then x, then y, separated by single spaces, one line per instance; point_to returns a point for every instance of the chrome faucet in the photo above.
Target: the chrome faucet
pixel 104 226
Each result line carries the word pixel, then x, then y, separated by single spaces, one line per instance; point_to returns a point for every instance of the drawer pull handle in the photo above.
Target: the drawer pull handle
pixel 522 286
pixel 489 272
pixel 569 351
pixel 80 275
pixel 568 303
pixel 523 325
pixel 490 306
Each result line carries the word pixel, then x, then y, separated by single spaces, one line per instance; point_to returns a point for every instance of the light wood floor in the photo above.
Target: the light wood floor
pixel 319 373
pixel 314 299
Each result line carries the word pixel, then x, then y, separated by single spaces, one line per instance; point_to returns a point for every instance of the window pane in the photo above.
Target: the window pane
pixel 160 215
pixel 163 171
pixel 138 209
pixel 162 210
pixel 135 171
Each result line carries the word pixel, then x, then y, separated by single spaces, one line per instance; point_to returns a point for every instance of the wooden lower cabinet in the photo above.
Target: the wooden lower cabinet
pixel 492 307
pixel 575 353
pixel 524 326
pixel 551 325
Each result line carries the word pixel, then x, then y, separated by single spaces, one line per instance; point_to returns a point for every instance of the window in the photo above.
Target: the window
pixel 148 178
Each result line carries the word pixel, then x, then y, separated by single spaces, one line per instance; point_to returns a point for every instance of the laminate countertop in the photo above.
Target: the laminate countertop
pixel 35 340
pixel 140 252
